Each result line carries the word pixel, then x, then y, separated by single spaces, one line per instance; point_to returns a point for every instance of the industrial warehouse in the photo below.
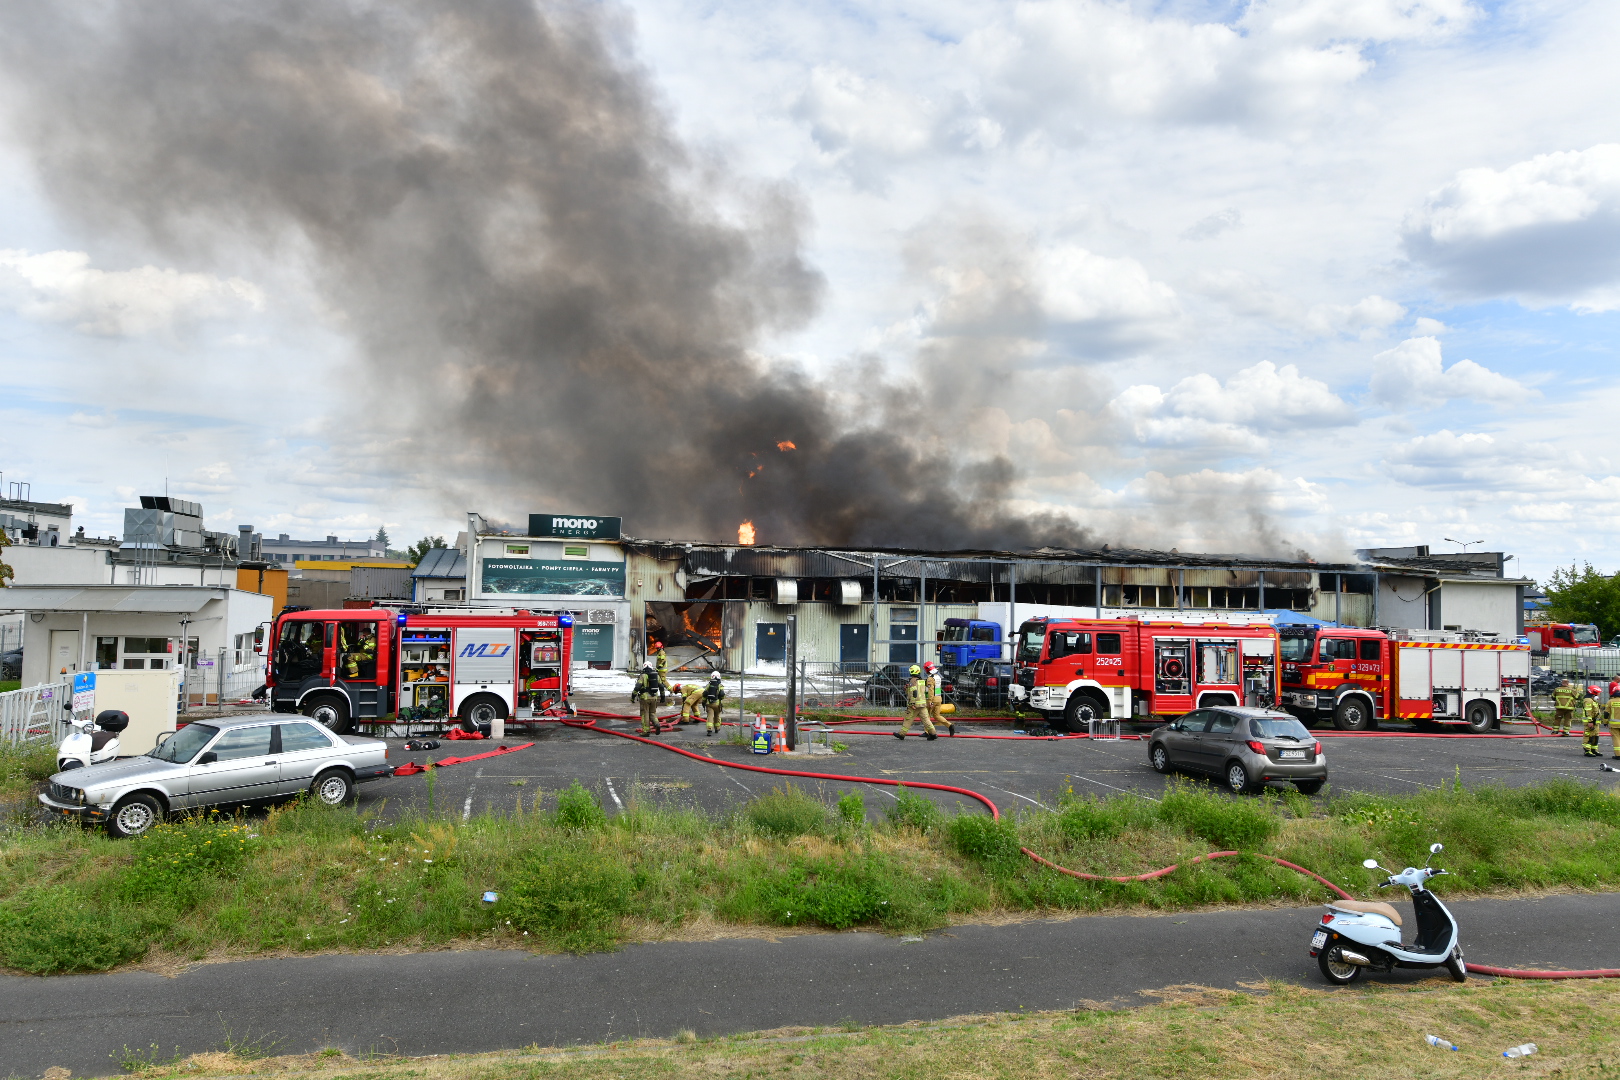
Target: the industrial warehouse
pixel 725 605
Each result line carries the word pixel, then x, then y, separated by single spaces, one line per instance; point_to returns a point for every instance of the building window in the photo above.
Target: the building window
pixel 106 653
pixel 147 653
pixel 579 552
pixel 517 549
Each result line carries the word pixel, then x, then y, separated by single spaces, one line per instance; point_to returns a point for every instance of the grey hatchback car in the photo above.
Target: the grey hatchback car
pixel 215 762
pixel 1246 747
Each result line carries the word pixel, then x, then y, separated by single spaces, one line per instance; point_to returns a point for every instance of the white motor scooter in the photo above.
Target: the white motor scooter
pixel 1357 935
pixel 92 741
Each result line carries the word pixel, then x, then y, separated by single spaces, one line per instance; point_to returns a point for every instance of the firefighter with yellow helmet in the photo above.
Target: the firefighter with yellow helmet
pixel 1563 707
pixel 917 706
pixel 646 695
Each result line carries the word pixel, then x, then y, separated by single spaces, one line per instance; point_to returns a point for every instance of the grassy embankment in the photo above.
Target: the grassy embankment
pixel 1282 1032
pixel 303 878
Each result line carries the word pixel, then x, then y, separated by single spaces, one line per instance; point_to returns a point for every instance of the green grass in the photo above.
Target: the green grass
pixel 10 684
pixel 24 767
pixel 307 878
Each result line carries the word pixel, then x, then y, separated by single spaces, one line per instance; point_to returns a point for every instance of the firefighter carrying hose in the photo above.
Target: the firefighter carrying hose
pixel 646 694
pixel 1563 707
pixel 691 694
pixel 917 706
pixel 713 695
pixel 1591 713
pixel 936 696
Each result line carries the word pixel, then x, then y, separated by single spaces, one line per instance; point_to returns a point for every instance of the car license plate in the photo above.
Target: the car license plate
pixel 1319 939
pixel 1285 754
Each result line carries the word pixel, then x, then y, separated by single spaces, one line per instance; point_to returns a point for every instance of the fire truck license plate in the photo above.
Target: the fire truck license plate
pixel 1319 939
pixel 1292 754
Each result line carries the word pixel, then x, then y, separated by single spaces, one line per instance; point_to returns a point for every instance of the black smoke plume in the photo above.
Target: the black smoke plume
pixel 494 205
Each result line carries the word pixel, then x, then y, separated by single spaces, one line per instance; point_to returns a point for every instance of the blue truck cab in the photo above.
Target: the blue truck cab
pixel 967 640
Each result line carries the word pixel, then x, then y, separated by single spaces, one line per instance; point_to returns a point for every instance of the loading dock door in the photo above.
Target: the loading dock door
pixel 770 641
pixel 853 642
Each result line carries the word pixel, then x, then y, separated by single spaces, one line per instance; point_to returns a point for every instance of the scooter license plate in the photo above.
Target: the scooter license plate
pixel 1286 754
pixel 1319 939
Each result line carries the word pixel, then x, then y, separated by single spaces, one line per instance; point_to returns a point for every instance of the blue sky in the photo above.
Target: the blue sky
pixel 1352 266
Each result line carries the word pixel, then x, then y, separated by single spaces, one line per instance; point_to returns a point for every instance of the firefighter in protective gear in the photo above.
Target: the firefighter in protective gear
pixel 1591 713
pixel 917 706
pixel 662 659
pixel 713 695
pixel 646 694
pixel 1563 707
pixel 936 696
pixel 1614 724
pixel 363 653
pixel 691 694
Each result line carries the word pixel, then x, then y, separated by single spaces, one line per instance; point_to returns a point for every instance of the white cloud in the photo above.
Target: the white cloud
pixel 1411 376
pixel 1200 410
pixel 1064 64
pixel 1545 230
pixel 855 117
pixel 62 286
pixel 1248 296
pixel 1077 286
pixel 1207 228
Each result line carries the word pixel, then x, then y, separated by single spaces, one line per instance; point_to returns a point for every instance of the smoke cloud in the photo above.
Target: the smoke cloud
pixel 562 299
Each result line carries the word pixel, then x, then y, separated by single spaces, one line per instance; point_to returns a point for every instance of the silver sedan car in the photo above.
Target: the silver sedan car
pixel 1244 746
pixel 214 762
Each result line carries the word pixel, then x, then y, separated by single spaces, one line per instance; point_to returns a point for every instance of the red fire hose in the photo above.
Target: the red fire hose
pixel 591 716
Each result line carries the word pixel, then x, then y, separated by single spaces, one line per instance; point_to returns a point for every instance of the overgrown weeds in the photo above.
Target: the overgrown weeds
pixel 304 877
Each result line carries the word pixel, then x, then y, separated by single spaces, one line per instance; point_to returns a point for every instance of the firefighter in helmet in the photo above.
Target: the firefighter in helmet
pixel 1613 722
pixel 1563 707
pixel 713 695
pixel 365 652
pixel 662 659
pixel 1591 713
pixel 646 695
pixel 691 695
pixel 936 695
pixel 917 706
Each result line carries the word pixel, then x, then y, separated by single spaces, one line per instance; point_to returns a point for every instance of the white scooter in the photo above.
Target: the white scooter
pixel 1356 935
pixel 92 741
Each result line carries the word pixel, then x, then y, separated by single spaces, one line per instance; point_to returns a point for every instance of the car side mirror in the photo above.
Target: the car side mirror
pixel 208 758
pixel 1435 849
pixel 1371 864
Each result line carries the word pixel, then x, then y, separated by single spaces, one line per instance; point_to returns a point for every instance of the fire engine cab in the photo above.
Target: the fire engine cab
pixel 1357 677
pixel 1074 671
pixel 374 665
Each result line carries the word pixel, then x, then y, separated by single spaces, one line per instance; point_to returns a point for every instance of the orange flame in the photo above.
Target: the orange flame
pixel 745 534
pixel 785 446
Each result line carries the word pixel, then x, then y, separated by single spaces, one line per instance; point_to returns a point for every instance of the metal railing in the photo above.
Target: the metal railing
pixel 35 713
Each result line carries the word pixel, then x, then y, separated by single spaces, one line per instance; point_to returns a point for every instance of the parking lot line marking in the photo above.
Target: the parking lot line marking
pixel 466 808
pixel 1015 795
pixel 1127 791
pixel 613 793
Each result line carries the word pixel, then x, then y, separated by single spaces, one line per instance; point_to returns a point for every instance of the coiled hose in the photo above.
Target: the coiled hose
pixel 591 716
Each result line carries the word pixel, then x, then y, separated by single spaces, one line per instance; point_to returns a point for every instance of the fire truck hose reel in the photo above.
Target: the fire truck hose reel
pixel 589 724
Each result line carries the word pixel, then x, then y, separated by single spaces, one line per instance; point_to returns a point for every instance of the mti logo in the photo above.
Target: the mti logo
pixel 489 650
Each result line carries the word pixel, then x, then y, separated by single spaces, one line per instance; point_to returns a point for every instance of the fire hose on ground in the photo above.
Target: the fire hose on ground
pixel 591 716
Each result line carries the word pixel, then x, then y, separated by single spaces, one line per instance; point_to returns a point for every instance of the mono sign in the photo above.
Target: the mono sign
pixel 584 528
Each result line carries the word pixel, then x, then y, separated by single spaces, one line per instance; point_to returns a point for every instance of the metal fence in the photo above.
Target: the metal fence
pixel 824 685
pixel 220 683
pixel 35 713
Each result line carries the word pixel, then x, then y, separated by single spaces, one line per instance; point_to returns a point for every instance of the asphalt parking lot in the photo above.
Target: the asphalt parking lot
pixel 1028 774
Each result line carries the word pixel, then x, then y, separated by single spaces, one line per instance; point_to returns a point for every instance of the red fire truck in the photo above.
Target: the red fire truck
pixel 1356 678
pixel 375 665
pixel 1074 671
pixel 1544 636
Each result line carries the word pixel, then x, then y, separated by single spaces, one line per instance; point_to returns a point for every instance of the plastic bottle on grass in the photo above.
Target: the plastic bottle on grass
pixel 1519 1051
pixel 1435 1040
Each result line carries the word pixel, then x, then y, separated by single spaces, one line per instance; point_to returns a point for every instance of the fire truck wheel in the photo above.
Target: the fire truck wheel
pixel 481 711
pixel 1081 710
pixel 328 711
pixel 1353 715
pixel 1481 717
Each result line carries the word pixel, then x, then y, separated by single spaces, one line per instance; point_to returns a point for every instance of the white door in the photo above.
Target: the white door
pixel 1415 684
pixel 1480 670
pixel 1447 668
pixel 64 651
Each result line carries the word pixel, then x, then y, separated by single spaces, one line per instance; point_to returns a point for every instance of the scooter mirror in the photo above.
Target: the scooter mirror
pixel 1371 864
pixel 1435 849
